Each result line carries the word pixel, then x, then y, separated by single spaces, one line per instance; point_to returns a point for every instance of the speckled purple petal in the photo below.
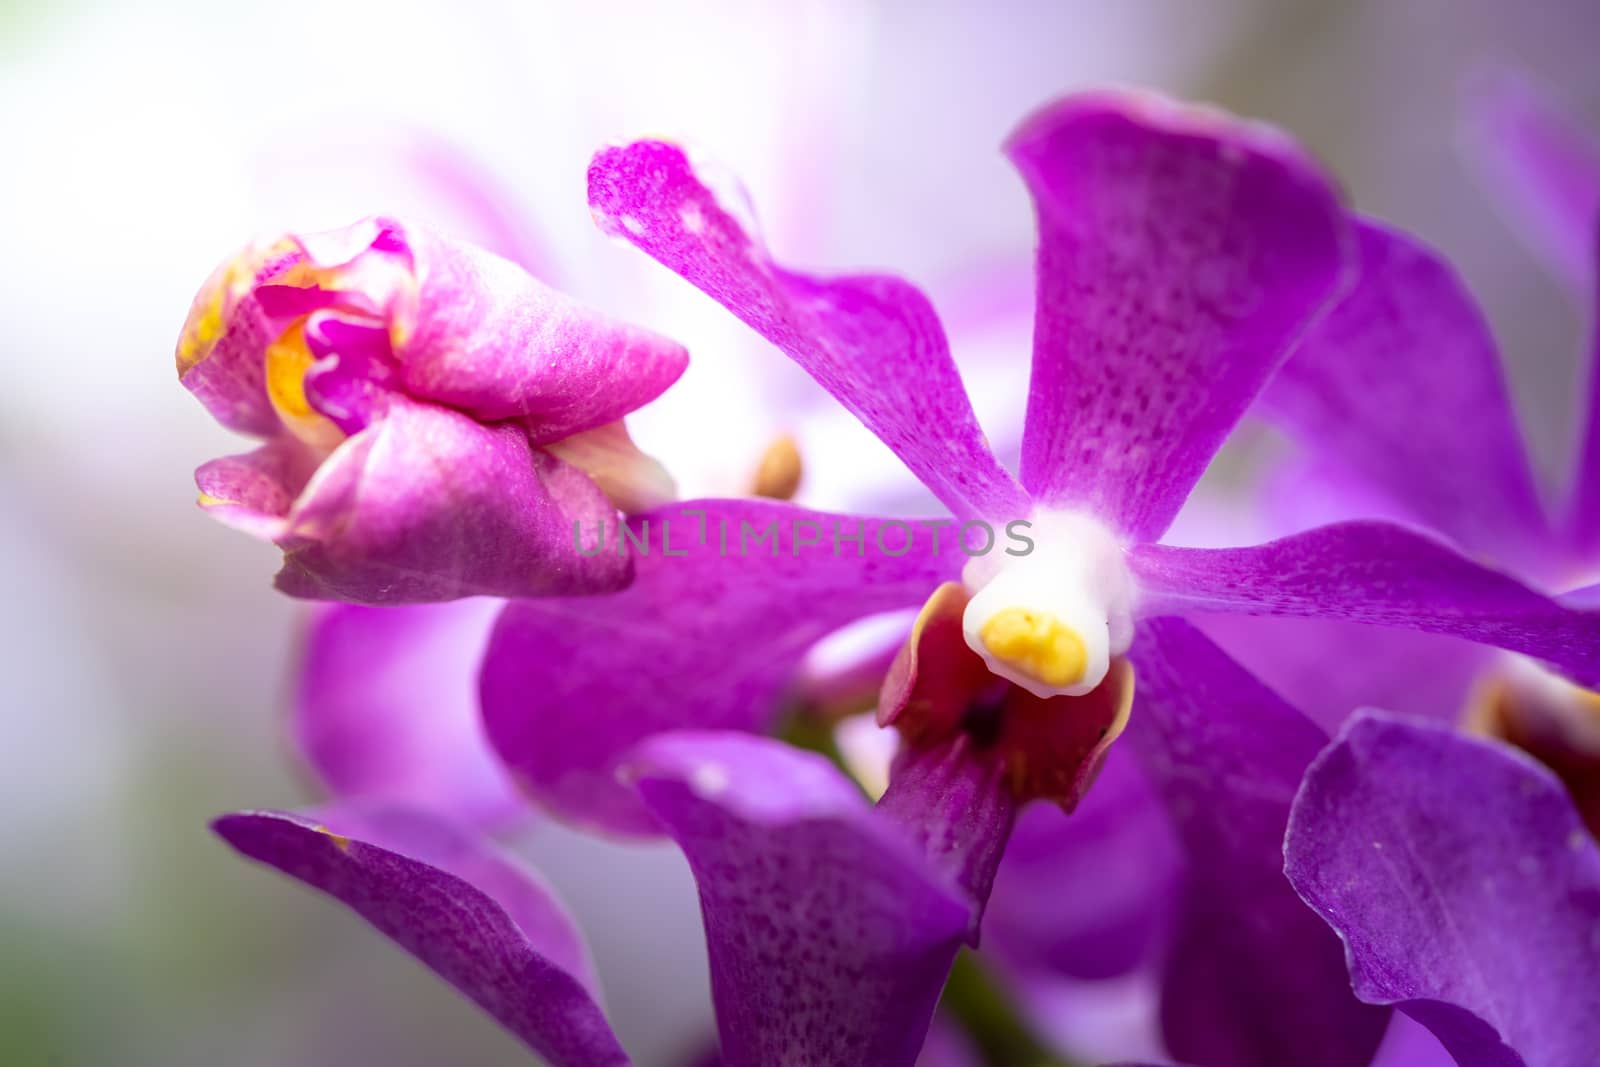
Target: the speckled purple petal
pixel 1370 572
pixel 1543 168
pixel 1181 253
pixel 386 709
pixel 1087 895
pixel 830 935
pixel 705 640
pixel 486 337
pixel 1253 978
pixel 1464 886
pixel 873 341
pixel 426 504
pixel 475 918
pixel 1383 385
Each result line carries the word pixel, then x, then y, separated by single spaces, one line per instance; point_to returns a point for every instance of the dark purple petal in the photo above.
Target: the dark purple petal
pixel 709 638
pixel 484 924
pixel 1464 886
pixel 830 934
pixel 1181 252
pixel 1369 572
pixel 387 709
pixel 1087 895
pixel 1253 979
pixel 426 504
pixel 873 341
pixel 1383 384
pixel 1545 170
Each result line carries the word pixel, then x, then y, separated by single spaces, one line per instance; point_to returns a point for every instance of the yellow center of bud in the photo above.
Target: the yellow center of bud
pixel 1038 644
pixel 287 360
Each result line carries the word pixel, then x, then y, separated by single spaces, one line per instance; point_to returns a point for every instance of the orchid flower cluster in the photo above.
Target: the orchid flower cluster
pixel 1085 770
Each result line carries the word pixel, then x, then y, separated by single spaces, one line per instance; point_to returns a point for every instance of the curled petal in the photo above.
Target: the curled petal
pixel 486 337
pixel 1181 253
pixel 708 636
pixel 220 352
pixel 485 925
pixel 1463 884
pixel 255 491
pixel 1383 384
pixel 387 709
pixel 829 934
pixel 1370 572
pixel 873 341
pixel 461 326
pixel 1252 979
pixel 426 504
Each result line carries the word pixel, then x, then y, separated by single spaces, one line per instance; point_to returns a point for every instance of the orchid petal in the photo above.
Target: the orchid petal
pixel 830 936
pixel 873 341
pixel 1370 572
pixel 1087 896
pixel 1463 884
pixel 486 337
pixel 1181 253
pixel 426 504
pixel 1252 979
pixel 1383 385
pixel 708 636
pixel 479 921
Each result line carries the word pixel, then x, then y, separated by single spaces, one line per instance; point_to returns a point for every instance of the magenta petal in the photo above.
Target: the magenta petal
pixel 387 709
pixel 426 504
pixel 1253 979
pixel 701 640
pixel 1181 253
pixel 1464 886
pixel 488 338
pixel 830 936
pixel 873 341
pixel 1370 572
pixel 487 926
pixel 254 491
pixel 220 350
pixel 1087 895
pixel 1382 386
pixel 1544 169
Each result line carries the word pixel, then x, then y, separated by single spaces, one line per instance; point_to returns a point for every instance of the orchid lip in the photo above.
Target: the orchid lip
pixel 1052 621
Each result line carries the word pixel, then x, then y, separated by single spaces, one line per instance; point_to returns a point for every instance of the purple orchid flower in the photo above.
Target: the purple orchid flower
pixel 1181 256
pixel 831 922
pixel 435 419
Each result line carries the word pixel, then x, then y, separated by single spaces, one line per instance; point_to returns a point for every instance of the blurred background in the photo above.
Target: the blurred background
pixel 143 651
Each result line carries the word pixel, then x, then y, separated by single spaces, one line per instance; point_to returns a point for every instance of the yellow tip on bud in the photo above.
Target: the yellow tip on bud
pixel 1038 644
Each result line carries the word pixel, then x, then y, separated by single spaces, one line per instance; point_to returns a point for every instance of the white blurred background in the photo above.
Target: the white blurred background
pixel 143 653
